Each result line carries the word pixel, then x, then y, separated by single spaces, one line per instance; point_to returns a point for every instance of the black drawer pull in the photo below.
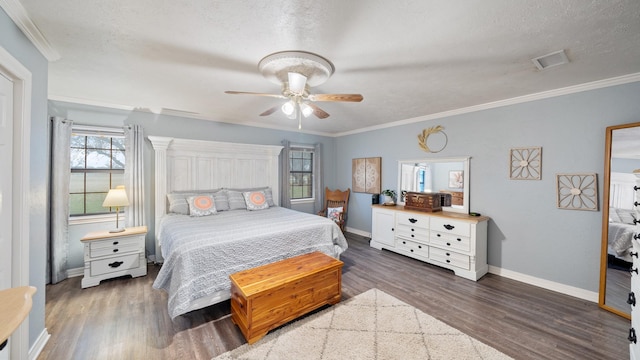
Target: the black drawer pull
pixel 413 235
pixel 636 236
pixel 392 229
pixel 411 250
pixel 449 227
pixel 419 246
pixel 634 271
pixel 635 203
pixel 636 188
pixel 116 242
pixel 404 242
pixel 413 229
pixel 448 261
pixel 448 244
pixel 115 250
pixel 438 235
pixel 459 239
pixel 636 221
pixel 631 300
pixel 116 264
pixel 632 336
pixel 413 221
pixel 633 254
pixel 448 254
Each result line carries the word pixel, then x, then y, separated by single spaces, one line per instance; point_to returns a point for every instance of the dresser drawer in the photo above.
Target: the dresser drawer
pixel 413 247
pixel 413 233
pixel 449 226
pixel 412 220
pixel 114 264
pixel 116 246
pixel 450 258
pixel 450 241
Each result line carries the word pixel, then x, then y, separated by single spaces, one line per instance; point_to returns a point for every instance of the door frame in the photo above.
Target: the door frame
pixel 22 85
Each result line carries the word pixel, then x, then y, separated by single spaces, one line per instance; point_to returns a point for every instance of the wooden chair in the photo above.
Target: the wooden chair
pixel 333 200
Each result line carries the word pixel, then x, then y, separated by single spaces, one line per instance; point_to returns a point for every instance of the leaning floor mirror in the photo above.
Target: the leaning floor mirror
pixel 622 156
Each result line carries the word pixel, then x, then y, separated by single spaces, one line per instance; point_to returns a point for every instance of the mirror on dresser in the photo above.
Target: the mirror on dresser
pixel 448 175
pixel 622 156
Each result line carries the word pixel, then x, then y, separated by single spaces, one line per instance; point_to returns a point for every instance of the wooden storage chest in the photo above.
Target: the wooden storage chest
pixel 420 201
pixel 271 295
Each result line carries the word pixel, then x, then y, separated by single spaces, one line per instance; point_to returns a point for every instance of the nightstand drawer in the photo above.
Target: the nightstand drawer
pixel 450 241
pixel 115 264
pixel 115 246
pixel 413 247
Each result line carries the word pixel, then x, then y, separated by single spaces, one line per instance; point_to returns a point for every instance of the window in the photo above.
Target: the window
pixel 301 173
pixel 97 165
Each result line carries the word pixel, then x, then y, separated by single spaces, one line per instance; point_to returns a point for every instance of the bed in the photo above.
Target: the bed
pixel 200 252
pixel 621 216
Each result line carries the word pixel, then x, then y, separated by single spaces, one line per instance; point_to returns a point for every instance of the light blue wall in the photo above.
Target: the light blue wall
pixel 178 127
pixel 528 234
pixel 14 41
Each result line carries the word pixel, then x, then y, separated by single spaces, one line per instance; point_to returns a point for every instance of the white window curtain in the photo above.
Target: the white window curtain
pixel 285 196
pixel 318 183
pixel 134 174
pixel 59 212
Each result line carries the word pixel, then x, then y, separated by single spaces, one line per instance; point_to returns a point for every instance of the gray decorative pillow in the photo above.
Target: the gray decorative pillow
pixel 255 200
pixel 178 203
pixel 201 205
pixel 236 200
pixel 221 200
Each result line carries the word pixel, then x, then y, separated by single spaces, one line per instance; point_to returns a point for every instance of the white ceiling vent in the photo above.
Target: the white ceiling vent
pixel 551 60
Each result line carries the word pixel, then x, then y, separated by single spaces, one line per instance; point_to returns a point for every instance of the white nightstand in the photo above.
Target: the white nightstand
pixel 108 255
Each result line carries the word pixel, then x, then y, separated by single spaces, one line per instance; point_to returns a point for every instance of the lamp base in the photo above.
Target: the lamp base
pixel 116 230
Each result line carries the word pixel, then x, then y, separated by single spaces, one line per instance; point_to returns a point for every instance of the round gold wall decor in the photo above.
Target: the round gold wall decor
pixel 423 139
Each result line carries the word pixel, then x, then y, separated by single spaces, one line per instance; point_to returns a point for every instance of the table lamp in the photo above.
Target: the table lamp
pixel 116 198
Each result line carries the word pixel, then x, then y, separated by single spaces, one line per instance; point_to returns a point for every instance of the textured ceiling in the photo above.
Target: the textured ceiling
pixel 407 58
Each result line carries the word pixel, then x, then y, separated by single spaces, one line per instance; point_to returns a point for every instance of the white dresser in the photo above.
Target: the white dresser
pixel 451 240
pixel 108 255
pixel 634 295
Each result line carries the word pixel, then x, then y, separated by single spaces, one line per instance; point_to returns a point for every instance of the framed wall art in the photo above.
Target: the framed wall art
pixel 366 175
pixel 525 163
pixel 577 191
pixel 456 179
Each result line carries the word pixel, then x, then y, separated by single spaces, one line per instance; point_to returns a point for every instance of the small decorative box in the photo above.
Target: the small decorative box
pixel 430 202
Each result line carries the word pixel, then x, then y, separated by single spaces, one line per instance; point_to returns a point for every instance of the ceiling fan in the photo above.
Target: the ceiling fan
pixel 297 72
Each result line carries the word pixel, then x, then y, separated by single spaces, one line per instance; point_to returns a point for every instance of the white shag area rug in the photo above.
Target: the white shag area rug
pixel 372 325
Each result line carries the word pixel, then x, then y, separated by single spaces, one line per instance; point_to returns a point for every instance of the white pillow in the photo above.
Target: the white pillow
pixel 334 213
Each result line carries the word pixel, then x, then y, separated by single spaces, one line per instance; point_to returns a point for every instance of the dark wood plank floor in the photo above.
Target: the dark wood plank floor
pixel 127 319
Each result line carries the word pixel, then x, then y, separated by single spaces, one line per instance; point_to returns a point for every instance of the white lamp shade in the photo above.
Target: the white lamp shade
pixel 306 109
pixel 116 197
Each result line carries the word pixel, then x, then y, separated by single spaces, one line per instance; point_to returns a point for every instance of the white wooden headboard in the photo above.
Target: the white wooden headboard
pixel 182 164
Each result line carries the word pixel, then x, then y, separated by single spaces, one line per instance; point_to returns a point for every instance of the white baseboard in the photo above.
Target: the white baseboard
pixel 75 272
pixel 359 232
pixel 546 284
pixel 37 347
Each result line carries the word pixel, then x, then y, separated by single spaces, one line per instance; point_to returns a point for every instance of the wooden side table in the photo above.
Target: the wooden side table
pixel 109 255
pixel 16 304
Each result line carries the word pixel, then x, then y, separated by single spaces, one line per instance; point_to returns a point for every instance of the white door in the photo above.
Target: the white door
pixel 6 156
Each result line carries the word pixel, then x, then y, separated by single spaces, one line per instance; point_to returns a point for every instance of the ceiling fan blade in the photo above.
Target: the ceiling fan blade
pixel 297 83
pixel 336 97
pixel 319 113
pixel 254 93
pixel 270 111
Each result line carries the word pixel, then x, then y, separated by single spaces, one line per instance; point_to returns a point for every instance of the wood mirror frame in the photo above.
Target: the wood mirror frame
pixel 615 281
pixel 443 169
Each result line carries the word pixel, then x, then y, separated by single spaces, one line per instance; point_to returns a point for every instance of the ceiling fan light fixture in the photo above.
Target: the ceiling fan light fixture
pixel 289 108
pixel 306 109
pixel 297 83
pixel 277 66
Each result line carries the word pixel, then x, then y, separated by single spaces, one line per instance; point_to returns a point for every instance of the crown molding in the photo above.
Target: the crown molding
pixel 594 85
pixel 21 18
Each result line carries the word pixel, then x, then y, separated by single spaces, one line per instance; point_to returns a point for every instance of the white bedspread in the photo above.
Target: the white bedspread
pixel 620 236
pixel 201 252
